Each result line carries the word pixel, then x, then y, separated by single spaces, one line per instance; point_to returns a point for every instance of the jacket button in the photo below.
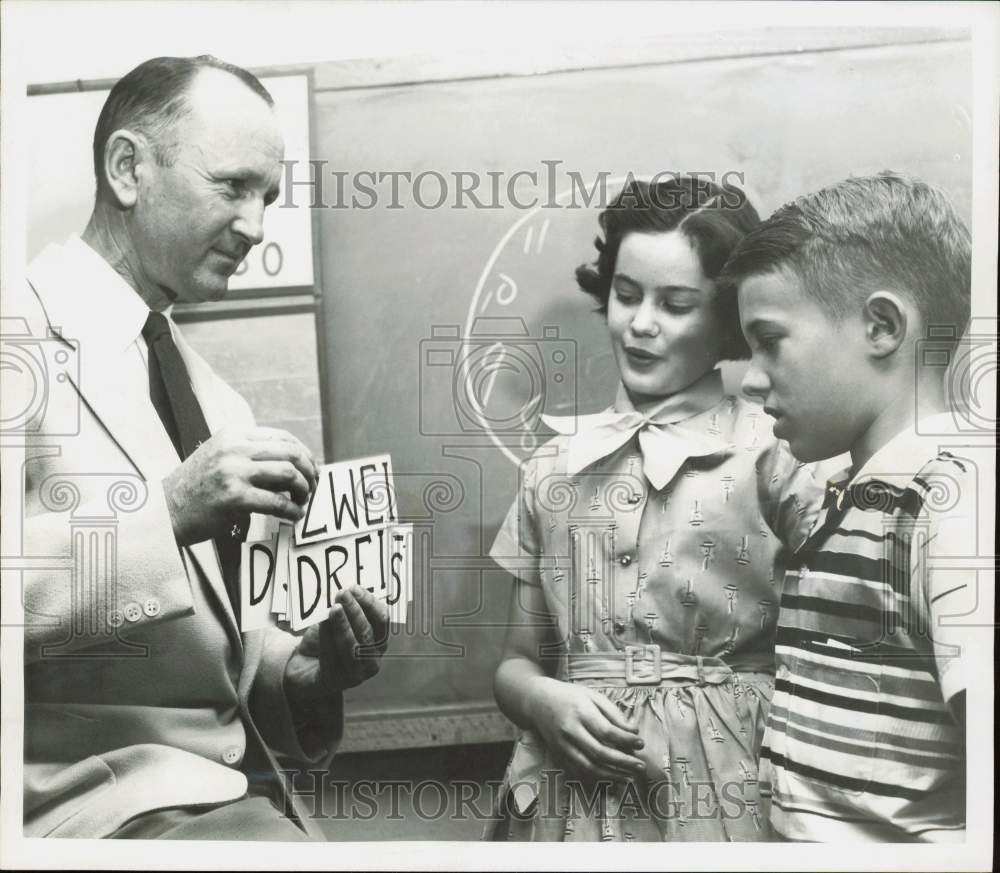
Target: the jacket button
pixel 116 618
pixel 232 754
pixel 133 612
pixel 151 606
pixel 626 560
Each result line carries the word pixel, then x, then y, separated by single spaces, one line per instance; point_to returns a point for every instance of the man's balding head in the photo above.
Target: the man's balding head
pixel 150 100
pixel 188 156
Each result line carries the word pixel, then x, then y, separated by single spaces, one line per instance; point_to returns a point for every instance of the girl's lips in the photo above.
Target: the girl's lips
pixel 640 356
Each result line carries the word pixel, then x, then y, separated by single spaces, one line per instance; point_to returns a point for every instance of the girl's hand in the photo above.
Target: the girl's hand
pixel 585 730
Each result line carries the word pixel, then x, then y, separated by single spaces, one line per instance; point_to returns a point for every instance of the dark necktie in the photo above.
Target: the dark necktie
pixel 173 397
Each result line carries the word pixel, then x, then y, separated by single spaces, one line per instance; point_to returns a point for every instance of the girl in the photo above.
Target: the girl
pixel 646 547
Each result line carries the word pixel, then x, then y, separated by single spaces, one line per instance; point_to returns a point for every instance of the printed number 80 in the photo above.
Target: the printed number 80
pixel 272 259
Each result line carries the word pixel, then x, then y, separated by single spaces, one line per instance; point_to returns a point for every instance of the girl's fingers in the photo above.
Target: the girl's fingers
pixel 612 712
pixel 607 757
pixel 611 728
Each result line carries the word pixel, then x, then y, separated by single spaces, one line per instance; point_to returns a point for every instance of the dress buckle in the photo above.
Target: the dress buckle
pixel 642 665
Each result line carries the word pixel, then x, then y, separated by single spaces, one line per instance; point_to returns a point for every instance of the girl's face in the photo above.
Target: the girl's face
pixel 660 315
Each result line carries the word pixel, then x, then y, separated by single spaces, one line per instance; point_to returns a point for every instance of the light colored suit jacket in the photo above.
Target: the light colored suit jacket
pixel 140 691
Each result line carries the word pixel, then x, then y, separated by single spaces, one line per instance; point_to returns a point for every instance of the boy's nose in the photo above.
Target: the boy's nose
pixel 755 382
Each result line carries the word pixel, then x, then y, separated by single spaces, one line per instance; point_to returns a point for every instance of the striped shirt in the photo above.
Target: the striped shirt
pixel 860 742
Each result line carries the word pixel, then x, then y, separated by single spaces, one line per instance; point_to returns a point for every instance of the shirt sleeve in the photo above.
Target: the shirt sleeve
pixel 517 546
pixel 790 493
pixel 941 566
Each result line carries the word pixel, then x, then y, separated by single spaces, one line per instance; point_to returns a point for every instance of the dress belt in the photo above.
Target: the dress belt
pixel 649 665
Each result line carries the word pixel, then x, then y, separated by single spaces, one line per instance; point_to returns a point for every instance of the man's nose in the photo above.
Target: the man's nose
pixel 755 382
pixel 250 222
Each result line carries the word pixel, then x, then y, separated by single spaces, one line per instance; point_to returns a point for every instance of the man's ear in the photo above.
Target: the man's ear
pixel 885 320
pixel 122 156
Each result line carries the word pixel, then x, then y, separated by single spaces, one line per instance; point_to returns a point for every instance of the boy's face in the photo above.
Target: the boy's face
pixel 809 368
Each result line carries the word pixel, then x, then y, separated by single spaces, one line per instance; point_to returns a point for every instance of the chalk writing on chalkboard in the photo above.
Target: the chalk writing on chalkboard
pixel 509 413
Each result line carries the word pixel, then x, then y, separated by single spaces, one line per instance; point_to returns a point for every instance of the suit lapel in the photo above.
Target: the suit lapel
pixel 116 390
pixel 114 383
pixel 120 401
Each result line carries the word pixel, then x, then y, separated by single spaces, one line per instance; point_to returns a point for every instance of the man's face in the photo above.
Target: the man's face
pixel 195 220
pixel 808 368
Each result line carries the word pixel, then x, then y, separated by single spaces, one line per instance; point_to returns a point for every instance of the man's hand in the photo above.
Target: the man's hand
pixel 340 652
pixel 262 469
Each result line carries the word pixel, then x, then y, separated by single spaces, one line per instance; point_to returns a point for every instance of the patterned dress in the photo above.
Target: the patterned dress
pixel 666 598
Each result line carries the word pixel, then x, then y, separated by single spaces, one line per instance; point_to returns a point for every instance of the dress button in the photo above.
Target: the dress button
pixel 151 606
pixel 116 618
pixel 232 754
pixel 133 612
pixel 626 560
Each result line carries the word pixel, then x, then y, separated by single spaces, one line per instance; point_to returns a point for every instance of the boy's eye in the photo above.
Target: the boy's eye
pixel 768 343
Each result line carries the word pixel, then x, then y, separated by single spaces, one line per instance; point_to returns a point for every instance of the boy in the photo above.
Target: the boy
pixel 838 292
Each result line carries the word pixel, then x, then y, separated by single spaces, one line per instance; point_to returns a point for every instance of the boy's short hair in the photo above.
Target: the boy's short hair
pixel 888 232
pixel 714 218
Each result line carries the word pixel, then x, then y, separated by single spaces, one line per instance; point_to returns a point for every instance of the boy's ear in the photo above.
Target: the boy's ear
pixel 885 320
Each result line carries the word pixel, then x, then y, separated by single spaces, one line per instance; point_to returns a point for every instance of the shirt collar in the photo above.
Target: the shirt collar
pixel 698 397
pixel 665 444
pixel 87 299
pixel 898 461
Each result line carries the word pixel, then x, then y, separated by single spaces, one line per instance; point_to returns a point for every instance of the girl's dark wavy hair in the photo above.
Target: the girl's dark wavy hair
pixel 714 218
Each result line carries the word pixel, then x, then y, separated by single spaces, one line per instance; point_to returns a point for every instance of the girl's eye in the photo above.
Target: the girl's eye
pixel 626 299
pixel 676 309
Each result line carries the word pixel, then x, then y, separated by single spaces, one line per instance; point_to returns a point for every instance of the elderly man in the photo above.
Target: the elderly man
pixel 147 712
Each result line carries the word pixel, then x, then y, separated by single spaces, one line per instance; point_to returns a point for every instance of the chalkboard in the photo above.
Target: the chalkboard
pixel 413 294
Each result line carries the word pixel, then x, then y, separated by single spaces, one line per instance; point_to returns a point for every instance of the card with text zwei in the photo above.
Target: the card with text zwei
pixel 350 497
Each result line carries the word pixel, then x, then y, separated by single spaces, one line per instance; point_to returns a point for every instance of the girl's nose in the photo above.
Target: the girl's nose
pixel 644 322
